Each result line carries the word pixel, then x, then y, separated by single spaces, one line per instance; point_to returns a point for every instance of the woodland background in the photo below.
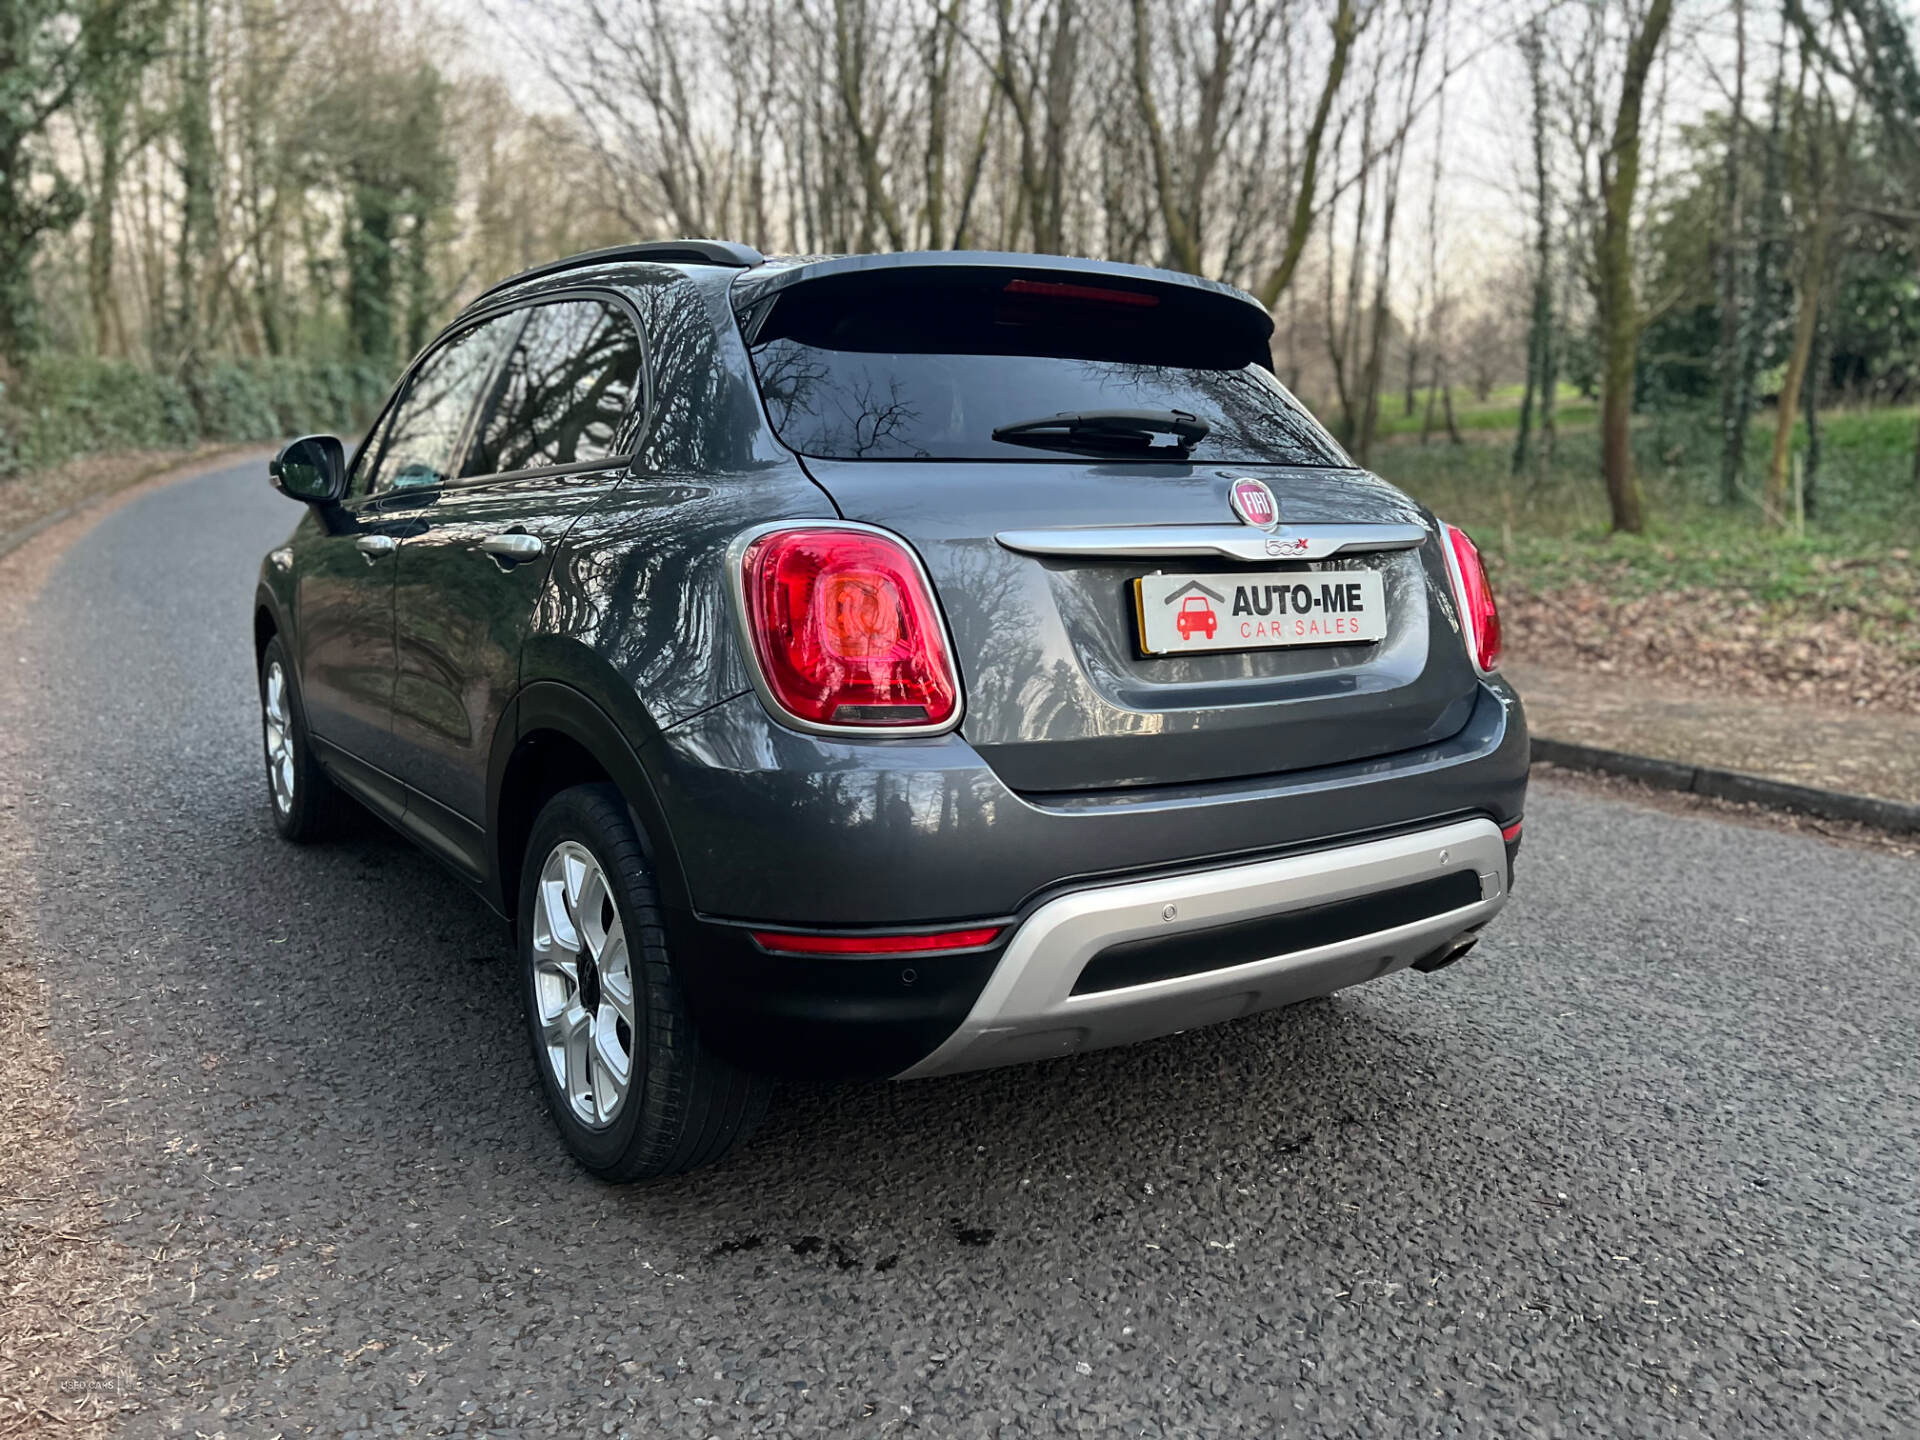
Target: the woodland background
pixel 1632 286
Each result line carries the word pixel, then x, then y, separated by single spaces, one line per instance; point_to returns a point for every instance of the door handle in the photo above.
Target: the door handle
pixel 374 546
pixel 512 547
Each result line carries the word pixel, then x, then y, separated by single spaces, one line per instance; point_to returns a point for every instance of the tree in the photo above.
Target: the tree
pixel 43 51
pixel 1735 336
pixel 1821 147
pixel 1541 372
pixel 119 48
pixel 1349 19
pixel 380 133
pixel 1225 81
pixel 1620 317
pixel 1870 44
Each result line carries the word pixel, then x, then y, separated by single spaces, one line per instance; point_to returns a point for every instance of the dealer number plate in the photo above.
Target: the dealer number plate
pixel 1182 613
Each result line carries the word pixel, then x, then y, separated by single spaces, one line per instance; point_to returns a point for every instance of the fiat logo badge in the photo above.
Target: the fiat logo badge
pixel 1253 502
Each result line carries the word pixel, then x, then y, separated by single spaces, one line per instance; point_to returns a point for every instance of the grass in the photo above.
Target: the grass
pixel 1500 411
pixel 1550 531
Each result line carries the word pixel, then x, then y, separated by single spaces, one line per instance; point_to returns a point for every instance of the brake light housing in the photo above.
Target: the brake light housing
pixel 1473 595
pixel 845 633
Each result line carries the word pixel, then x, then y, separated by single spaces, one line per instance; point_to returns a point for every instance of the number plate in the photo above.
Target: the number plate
pixel 1182 613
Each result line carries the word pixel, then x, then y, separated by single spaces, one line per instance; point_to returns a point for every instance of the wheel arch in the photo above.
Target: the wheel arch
pixel 266 623
pixel 554 736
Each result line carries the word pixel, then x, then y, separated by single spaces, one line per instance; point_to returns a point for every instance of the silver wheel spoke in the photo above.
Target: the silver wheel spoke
pixel 590 913
pixel 576 1043
pixel 616 975
pixel 557 920
pixel 278 722
pixel 612 1066
pixel 583 985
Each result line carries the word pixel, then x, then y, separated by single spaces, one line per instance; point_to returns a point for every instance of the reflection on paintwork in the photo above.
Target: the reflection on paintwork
pixel 1059 695
pixel 460 617
pixel 640 583
pixel 736 783
pixel 737 774
pixel 345 633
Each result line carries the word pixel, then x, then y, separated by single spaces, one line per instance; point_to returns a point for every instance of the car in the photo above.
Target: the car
pixel 781 647
pixel 1196 615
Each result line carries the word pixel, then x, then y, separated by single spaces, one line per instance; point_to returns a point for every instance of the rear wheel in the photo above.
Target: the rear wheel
pixel 634 1093
pixel 302 799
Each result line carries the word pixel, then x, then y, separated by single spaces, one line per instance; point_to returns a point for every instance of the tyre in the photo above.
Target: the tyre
pixel 303 801
pixel 634 1093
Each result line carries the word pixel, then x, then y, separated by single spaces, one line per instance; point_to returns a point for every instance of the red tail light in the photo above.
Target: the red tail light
pixel 875 944
pixel 1475 595
pixel 845 629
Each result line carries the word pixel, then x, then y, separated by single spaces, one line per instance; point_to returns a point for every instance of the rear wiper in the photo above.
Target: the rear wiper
pixel 1110 432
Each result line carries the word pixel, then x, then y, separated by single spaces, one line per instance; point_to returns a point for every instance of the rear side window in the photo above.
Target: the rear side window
pixel 905 366
pixel 564 392
pixel 427 424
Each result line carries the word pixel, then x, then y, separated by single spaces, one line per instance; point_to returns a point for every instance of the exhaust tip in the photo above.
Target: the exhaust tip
pixel 1446 954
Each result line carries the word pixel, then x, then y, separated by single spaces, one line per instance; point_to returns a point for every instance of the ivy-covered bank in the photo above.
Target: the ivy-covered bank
pixel 63 406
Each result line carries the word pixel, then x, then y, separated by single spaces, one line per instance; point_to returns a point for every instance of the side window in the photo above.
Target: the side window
pixel 427 424
pixel 369 456
pixel 564 391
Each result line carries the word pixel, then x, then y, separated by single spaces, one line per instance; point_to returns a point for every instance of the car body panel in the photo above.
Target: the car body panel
pixel 342 641
pixel 636 599
pixel 771 824
pixel 461 617
pixel 1059 695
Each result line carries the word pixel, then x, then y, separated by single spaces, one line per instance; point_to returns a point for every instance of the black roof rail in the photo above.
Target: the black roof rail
pixel 660 252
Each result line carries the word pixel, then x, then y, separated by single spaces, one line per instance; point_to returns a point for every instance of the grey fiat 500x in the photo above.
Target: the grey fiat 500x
pixel 890 665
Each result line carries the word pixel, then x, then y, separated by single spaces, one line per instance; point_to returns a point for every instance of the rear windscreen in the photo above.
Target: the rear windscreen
pixel 908 366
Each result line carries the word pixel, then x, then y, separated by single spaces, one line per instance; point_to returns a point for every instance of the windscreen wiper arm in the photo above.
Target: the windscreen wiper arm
pixel 1110 432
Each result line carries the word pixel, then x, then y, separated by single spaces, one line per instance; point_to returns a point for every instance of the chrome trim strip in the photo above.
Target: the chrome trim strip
pixel 1234 542
pixel 743 628
pixel 1028 1010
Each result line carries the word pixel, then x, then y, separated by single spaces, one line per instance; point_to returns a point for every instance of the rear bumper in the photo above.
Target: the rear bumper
pixel 777 830
pixel 1038 1003
pixel 1103 965
pixel 774 826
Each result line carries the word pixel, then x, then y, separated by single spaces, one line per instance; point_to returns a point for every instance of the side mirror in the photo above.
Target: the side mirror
pixel 311 469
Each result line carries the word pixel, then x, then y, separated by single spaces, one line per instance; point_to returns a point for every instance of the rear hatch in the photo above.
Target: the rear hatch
pixel 890 375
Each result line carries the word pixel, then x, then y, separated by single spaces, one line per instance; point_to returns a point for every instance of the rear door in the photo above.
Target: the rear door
pixel 551 441
pixel 891 386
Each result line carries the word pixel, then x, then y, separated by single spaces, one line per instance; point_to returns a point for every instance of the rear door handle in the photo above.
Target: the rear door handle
pixel 374 546
pixel 513 547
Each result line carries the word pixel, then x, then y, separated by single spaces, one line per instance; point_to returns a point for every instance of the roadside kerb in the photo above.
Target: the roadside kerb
pixel 1735 785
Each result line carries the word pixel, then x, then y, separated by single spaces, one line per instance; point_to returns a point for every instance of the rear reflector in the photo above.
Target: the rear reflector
pixel 1511 833
pixel 875 944
pixel 846 631
pixel 1474 592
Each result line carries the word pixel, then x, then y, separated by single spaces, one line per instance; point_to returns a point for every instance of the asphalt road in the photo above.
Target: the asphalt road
pixel 1647 1164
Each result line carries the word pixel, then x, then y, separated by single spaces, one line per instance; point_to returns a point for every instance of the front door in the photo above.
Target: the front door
pixel 343 607
pixel 345 593
pixel 548 447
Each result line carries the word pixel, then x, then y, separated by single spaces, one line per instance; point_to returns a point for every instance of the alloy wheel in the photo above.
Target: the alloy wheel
pixel 583 985
pixel 277 715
